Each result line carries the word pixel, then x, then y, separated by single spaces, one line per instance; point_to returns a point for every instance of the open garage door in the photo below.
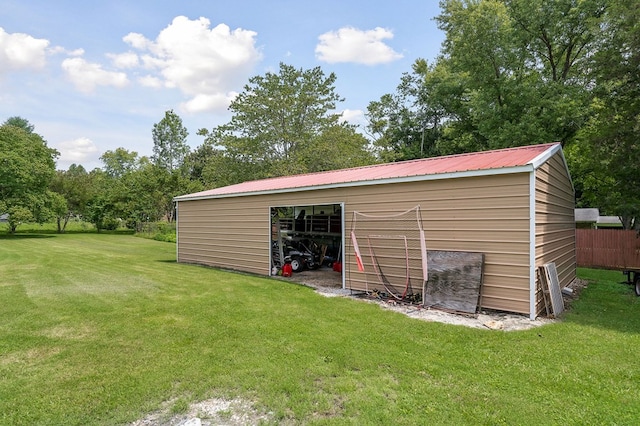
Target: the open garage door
pixel 310 239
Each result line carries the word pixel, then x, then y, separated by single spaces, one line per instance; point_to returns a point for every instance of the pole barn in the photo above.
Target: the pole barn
pixel 514 206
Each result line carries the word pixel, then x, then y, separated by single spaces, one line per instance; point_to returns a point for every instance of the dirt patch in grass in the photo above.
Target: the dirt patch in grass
pixel 213 411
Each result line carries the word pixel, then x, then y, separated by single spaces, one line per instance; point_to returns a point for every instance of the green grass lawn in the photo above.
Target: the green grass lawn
pixel 102 329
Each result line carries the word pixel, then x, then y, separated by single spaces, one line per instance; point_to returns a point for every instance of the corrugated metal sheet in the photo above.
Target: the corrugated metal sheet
pixel 478 161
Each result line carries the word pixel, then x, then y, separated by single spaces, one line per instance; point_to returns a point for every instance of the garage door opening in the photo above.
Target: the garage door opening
pixel 310 239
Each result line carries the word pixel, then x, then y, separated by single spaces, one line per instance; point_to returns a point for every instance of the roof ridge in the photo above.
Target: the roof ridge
pixel 414 160
pixel 408 169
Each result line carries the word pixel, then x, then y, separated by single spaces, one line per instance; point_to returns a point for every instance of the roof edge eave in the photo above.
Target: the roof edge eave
pixel 418 178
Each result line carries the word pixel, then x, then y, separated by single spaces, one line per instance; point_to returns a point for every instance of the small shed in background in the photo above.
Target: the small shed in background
pixel 590 218
pixel 515 206
pixel 587 217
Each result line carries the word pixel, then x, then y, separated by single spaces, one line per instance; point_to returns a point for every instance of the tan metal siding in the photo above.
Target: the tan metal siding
pixel 229 233
pixel 234 232
pixel 555 221
pixel 488 214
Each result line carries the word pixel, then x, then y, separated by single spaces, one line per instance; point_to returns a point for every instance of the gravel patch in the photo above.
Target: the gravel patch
pixel 327 283
pixel 214 411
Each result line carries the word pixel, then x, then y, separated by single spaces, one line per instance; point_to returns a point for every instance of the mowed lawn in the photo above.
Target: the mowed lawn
pixel 103 329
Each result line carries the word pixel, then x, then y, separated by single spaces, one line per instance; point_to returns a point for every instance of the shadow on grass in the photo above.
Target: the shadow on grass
pixel 53 232
pixel 24 236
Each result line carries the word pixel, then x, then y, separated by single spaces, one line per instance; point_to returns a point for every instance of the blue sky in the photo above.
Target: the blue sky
pixel 97 75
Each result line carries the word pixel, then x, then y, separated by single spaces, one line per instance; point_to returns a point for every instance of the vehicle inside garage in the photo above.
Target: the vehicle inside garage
pixel 307 238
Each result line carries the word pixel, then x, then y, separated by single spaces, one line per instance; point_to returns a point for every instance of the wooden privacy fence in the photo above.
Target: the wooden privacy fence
pixel 608 249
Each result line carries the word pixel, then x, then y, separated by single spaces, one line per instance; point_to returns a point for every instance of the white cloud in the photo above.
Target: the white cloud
pixel 138 41
pixel 86 76
pixel 204 63
pixel 21 51
pixel 150 81
pixel 59 49
pixel 124 60
pixel 353 45
pixel 76 52
pixel 353 116
pixel 77 151
pixel 214 102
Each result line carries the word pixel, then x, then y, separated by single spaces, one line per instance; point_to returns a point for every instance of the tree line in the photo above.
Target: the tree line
pixel 520 72
pixel 509 73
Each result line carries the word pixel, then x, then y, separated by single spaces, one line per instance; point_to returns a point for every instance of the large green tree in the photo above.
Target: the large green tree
pixel 408 123
pixel 169 142
pixel 514 72
pixel 121 161
pixel 20 122
pixel 511 72
pixel 76 188
pixel 117 197
pixel 336 147
pixel 169 173
pixel 523 67
pixel 102 208
pixel 276 120
pixel 27 166
pixel 196 161
pixel 131 190
pixel 606 164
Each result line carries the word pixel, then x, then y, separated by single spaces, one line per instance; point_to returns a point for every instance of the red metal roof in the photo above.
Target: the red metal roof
pixel 378 173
